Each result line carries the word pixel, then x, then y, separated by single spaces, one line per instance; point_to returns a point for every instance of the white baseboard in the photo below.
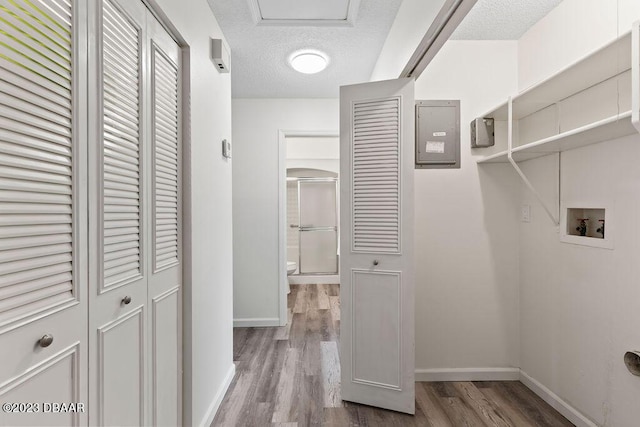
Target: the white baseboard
pixel 256 322
pixel 568 411
pixel 222 390
pixel 468 374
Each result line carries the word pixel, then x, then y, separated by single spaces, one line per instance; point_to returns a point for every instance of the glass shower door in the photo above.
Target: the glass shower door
pixel 317 201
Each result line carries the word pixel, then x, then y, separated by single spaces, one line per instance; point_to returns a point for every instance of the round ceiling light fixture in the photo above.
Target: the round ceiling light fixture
pixel 308 61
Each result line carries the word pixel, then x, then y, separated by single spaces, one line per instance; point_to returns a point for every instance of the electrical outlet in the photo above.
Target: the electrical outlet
pixel 525 213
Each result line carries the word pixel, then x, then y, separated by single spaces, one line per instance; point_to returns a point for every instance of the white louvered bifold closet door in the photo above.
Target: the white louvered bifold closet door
pixel 165 137
pixel 376 176
pixel 42 206
pixel 376 257
pixel 135 325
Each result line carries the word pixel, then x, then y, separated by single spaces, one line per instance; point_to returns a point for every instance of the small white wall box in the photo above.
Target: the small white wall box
pixel 482 133
pixel 220 56
pixel 584 224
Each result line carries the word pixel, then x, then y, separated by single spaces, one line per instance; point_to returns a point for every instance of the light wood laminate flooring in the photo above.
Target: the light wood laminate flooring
pixel 290 376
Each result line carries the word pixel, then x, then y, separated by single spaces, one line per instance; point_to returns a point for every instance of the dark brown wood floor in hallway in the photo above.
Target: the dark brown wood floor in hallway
pixel 290 376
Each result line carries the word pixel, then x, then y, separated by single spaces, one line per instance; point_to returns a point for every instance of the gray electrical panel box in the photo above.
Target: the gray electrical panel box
pixel 438 134
pixel 482 133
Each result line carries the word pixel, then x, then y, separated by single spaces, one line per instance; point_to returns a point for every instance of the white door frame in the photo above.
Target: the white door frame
pixel 282 210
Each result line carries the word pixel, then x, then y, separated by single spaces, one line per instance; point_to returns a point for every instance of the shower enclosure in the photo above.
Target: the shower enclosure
pixel 316 225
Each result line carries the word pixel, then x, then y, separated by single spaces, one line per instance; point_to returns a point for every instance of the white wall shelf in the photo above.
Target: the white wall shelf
pixel 602 130
pixel 612 61
pixel 593 100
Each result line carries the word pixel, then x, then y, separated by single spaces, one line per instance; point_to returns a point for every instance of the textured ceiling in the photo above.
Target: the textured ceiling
pixel 502 19
pixel 259 53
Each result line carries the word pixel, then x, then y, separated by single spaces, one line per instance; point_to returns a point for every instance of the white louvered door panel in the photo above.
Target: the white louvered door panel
pixel 376 257
pixel 122 164
pixel 165 277
pixel 42 205
pixel 118 216
pixel 165 155
pixel 376 176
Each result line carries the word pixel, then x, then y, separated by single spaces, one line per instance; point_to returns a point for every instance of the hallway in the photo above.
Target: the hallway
pixel 290 376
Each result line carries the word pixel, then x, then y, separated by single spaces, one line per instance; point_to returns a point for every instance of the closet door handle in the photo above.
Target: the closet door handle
pixel 126 300
pixel 45 341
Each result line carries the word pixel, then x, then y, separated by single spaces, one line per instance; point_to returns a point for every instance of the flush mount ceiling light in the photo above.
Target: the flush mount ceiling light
pixel 308 61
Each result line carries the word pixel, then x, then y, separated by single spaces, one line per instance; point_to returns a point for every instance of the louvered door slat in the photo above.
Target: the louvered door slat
pixel 121 179
pixel 14 18
pixel 30 100
pixel 36 174
pixel 31 47
pixel 7 138
pixel 376 177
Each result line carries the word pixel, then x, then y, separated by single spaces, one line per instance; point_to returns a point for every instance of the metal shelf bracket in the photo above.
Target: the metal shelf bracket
pixel 554 218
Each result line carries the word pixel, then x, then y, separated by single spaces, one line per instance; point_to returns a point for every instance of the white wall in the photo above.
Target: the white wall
pixel 570 31
pixel 467 225
pixel 256 123
pixel 208 346
pixel 321 153
pixel 579 305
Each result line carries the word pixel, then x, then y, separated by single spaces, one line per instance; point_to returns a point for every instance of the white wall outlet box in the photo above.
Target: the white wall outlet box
pixel 220 56
pixel 226 149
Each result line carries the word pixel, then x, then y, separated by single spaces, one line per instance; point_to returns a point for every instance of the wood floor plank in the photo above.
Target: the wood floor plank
pixel 267 384
pixel 532 405
pixel 331 374
pixel 335 417
pixel 459 413
pixel 285 388
pixel 477 401
pixel 289 376
pixel 301 300
pixel 334 304
pixel 323 298
pixel 312 298
pixel 515 416
pixel 443 389
pixel 311 349
pixel 230 413
pixel 327 326
pixel 333 289
pixel 430 407
pixel 298 330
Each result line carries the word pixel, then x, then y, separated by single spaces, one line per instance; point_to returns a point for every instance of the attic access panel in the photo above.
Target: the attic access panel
pixel 304 12
pixel 438 134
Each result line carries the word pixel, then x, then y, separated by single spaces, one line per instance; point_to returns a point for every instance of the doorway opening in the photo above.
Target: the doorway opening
pixel 309 166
